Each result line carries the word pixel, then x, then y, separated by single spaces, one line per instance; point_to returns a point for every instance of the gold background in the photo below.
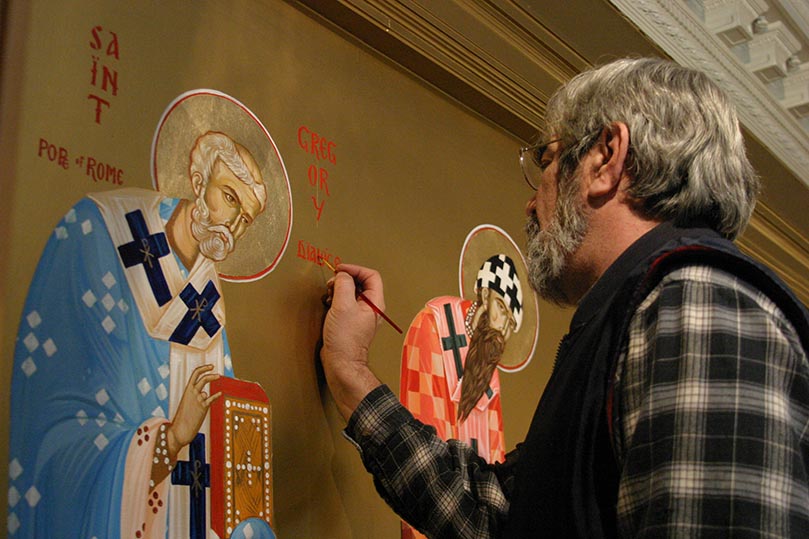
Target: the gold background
pixel 192 115
pixel 415 172
pixel 486 241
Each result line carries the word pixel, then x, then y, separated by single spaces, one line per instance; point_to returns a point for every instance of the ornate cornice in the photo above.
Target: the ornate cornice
pixel 739 61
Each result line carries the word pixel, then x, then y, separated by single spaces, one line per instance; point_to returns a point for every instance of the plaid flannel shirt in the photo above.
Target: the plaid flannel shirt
pixel 711 429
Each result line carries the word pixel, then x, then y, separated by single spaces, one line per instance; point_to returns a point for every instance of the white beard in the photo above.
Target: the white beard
pixel 547 251
pixel 215 241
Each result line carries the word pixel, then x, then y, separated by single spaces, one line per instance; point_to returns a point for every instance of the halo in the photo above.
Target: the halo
pixel 481 243
pixel 196 112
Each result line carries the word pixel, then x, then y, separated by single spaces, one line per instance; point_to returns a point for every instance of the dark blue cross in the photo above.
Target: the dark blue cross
pixel 200 313
pixel 454 342
pixel 146 249
pixel 194 473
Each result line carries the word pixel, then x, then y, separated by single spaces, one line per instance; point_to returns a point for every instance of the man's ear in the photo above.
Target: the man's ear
pixel 612 148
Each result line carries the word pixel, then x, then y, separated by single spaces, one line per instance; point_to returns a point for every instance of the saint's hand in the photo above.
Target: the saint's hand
pixel 192 409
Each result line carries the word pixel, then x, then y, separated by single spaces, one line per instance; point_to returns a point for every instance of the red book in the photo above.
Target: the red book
pixel 241 455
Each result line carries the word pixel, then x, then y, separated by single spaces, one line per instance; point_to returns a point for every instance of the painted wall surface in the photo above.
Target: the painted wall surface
pixel 384 171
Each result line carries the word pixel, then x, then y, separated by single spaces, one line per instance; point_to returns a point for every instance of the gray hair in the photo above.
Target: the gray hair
pixel 686 158
pixel 212 146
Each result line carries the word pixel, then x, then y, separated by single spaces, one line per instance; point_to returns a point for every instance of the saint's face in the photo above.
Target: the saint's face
pixel 500 317
pixel 230 201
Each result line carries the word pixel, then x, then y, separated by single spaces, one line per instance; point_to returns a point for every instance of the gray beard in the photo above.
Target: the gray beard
pixel 215 241
pixel 548 251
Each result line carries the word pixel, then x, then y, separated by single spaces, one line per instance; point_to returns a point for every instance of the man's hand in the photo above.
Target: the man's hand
pixel 348 331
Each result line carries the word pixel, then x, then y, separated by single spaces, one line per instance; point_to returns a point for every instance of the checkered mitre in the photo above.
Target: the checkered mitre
pixel 499 273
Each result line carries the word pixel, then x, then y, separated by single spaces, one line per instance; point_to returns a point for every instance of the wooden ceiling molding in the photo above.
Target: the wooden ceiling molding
pixel 494 57
pixel 504 58
pixel 775 242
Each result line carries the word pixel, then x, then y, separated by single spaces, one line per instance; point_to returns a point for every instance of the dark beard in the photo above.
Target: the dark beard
pixel 485 350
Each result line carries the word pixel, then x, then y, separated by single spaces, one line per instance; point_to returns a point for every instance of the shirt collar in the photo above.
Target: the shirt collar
pixel 633 259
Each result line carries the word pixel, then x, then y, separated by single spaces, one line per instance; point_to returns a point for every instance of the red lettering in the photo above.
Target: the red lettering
pixel 307 251
pixel 91 168
pixel 94 71
pixel 112 78
pixel 102 172
pixel 109 77
pixel 99 103
pixel 301 138
pixel 320 207
pixel 315 147
pixel 43 146
pixel 318 145
pixel 332 155
pixel 96 42
pixel 112 48
pixel 53 153
pixel 312 174
pixel 324 176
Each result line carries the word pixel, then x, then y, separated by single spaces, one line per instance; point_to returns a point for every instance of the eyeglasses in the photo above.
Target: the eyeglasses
pixel 531 162
pixel 531 158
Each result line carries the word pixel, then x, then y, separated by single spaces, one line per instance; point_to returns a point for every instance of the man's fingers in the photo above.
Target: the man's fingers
pixel 364 280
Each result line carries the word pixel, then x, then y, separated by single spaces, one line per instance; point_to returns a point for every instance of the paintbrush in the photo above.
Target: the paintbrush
pixel 370 303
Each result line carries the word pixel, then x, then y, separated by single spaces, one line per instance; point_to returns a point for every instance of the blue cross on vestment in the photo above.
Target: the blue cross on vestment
pixel 194 473
pixel 200 313
pixel 145 249
pixel 455 342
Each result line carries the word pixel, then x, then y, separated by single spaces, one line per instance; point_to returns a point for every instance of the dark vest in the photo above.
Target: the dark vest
pixel 566 480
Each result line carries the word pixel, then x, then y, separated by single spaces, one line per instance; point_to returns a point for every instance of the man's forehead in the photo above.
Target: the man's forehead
pixel 545 137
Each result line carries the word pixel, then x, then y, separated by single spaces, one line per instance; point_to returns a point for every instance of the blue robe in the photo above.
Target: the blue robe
pixel 87 375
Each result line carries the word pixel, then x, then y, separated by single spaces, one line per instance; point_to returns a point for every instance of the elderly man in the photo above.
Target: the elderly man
pixel 679 403
pixel 123 327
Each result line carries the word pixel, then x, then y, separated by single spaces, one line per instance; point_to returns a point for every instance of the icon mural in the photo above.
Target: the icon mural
pixel 456 344
pixel 124 328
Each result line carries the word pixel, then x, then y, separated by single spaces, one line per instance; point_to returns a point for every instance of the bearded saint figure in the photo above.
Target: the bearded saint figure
pixel 449 361
pixel 123 328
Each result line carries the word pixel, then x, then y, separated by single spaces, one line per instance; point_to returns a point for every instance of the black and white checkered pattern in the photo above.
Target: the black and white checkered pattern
pixel 499 273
